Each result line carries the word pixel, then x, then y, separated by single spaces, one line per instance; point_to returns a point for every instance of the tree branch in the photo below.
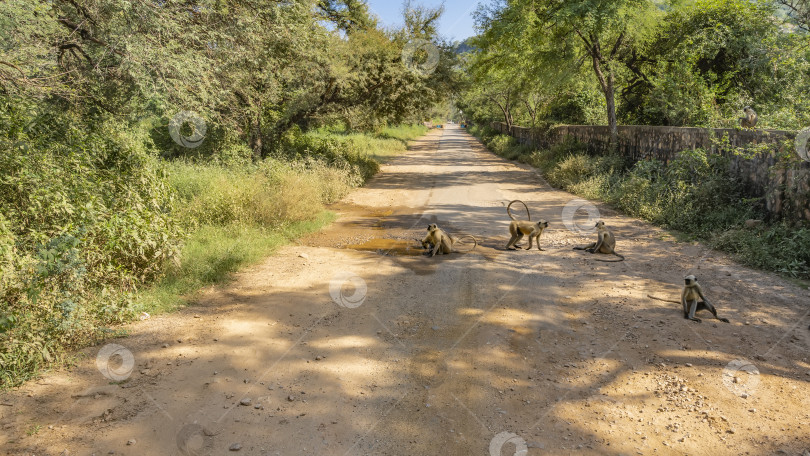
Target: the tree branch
pixel 616 46
pixel 87 36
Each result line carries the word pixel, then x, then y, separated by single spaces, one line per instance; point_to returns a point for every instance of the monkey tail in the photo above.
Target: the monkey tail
pixel 509 209
pixel 662 299
pixel 475 242
pixel 612 261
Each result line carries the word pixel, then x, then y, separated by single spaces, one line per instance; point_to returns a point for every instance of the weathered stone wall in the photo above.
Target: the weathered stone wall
pixel 785 188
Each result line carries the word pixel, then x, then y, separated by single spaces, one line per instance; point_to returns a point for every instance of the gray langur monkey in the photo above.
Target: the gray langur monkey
pixel 693 300
pixel 520 228
pixel 605 243
pixel 750 119
pixel 437 240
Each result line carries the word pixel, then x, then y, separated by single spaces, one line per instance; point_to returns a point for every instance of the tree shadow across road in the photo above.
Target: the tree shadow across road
pixel 347 352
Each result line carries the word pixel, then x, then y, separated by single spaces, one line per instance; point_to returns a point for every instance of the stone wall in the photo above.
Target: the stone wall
pixel 785 188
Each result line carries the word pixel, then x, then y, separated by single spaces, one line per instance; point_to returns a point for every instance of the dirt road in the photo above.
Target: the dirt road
pixel 352 343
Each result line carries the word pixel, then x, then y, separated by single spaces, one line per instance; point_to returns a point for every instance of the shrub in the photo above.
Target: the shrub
pixel 337 151
pixel 779 248
pixel 500 143
pixel 270 193
pixel 82 216
pixel 403 133
pixel 571 170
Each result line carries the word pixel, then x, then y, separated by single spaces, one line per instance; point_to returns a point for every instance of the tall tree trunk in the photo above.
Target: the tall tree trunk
pixel 505 116
pixel 532 111
pixel 505 109
pixel 610 98
pixel 256 143
pixel 607 84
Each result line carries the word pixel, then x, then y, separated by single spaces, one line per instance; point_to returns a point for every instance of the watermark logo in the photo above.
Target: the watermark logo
pixel 575 223
pixel 115 362
pixel 192 440
pixel 421 56
pixel 801 144
pixel 348 290
pixel 188 129
pixel 500 440
pixel 741 377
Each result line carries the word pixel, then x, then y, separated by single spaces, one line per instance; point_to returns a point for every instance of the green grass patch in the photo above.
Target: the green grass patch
pixel 213 253
pixel 403 133
pixel 356 147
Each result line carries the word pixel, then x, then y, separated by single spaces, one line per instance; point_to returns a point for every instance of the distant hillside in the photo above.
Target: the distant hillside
pixel 464 46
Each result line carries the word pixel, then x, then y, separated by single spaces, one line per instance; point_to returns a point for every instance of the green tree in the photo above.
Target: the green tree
pixel 561 34
pixel 252 69
pixel 710 58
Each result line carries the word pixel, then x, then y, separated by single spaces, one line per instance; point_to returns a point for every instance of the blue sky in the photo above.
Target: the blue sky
pixel 456 23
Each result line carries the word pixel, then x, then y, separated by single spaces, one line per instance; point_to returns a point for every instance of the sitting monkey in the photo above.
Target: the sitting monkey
pixel 437 240
pixel 605 243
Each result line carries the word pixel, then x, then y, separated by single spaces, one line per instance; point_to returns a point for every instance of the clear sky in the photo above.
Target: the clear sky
pixel 456 23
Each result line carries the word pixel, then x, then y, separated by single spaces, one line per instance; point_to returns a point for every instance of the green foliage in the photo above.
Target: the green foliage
pixel 530 55
pixel 547 159
pixel 503 145
pixel 683 63
pixel 86 218
pixel 576 106
pixel 270 194
pixel 500 143
pixel 337 151
pixel 709 58
pixel 251 69
pixel 680 97
pixel 695 194
pixel 781 248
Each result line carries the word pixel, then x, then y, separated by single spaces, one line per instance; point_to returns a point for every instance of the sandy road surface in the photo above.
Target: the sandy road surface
pixel 446 356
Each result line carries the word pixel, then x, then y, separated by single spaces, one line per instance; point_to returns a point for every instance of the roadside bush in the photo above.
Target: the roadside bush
pixel 517 152
pixel 695 194
pixel 547 159
pixel 500 144
pixel 779 248
pixel 403 133
pixel 337 151
pixel 482 132
pixel 503 145
pixel 270 193
pixel 571 170
pixel 82 216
